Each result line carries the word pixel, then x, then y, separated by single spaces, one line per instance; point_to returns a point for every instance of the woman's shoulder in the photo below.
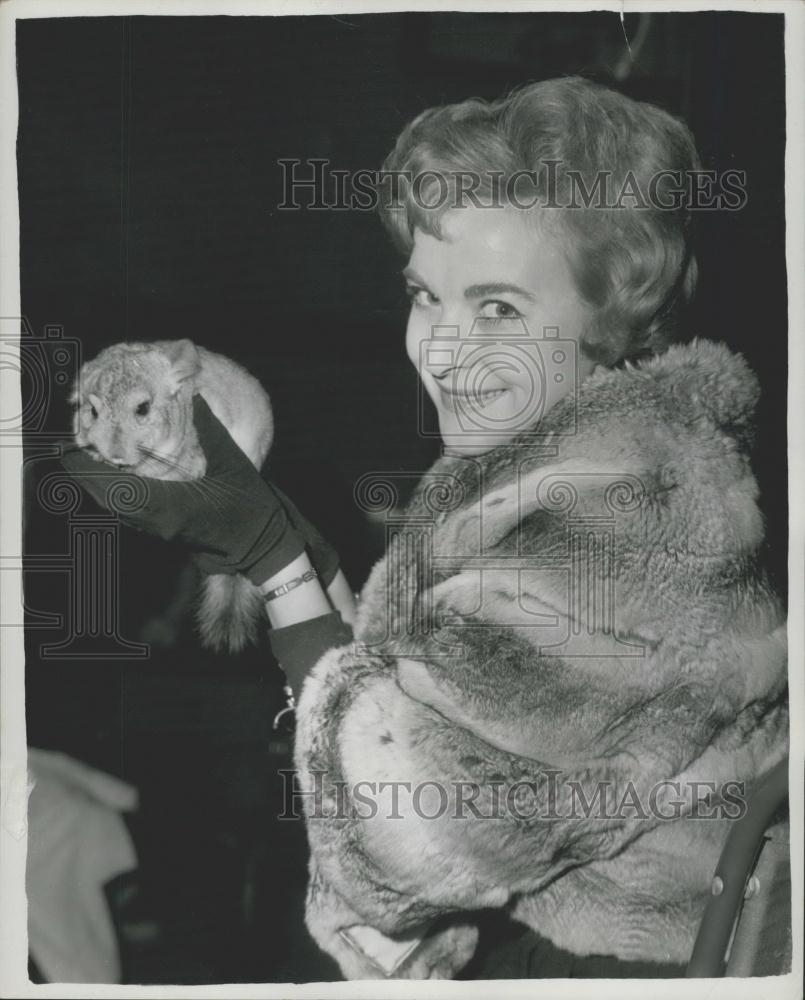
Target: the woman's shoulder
pixel 662 445
pixel 701 380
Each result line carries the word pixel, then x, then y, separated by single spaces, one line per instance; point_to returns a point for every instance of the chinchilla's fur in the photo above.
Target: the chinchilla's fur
pixel 592 620
pixel 134 408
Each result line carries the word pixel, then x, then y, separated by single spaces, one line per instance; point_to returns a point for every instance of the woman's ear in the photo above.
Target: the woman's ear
pixel 184 359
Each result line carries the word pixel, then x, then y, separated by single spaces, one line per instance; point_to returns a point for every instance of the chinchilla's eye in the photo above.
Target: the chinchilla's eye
pixel 143 409
pixel 93 411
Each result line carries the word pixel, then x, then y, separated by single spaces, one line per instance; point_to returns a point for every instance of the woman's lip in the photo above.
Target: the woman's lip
pixel 472 401
pixel 486 393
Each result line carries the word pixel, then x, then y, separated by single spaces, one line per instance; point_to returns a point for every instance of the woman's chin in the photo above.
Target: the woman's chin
pixel 468 445
pixel 503 420
pixel 464 450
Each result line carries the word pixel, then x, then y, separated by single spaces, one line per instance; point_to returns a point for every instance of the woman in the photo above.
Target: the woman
pixel 509 649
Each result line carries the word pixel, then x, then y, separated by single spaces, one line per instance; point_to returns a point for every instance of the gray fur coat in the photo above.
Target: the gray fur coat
pixel 568 653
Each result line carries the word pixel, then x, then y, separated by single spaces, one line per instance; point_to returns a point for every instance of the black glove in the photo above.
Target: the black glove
pixel 297 648
pixel 234 520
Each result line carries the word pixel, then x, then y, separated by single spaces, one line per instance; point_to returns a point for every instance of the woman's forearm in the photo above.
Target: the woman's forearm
pixel 308 600
pixel 304 623
pixel 342 598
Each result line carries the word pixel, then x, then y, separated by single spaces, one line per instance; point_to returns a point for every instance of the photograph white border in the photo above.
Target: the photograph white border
pixel 13 776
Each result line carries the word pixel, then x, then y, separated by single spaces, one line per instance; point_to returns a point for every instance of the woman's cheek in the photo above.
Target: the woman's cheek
pixel 414 335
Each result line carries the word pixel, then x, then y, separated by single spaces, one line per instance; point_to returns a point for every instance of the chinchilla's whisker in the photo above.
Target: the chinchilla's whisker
pixel 225 488
pixel 224 491
pixel 168 462
pixel 211 501
pixel 150 453
pixel 211 490
pixel 208 495
pixel 201 487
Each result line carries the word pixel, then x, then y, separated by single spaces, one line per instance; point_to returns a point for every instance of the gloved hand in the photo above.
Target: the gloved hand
pixel 298 648
pixel 233 520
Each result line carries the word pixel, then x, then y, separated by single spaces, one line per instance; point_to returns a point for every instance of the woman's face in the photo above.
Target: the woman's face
pixel 494 326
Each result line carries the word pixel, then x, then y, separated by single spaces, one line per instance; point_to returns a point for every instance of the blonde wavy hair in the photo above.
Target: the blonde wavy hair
pixel 633 264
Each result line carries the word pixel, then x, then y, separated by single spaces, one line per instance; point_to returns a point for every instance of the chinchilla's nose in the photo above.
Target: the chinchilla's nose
pixel 116 453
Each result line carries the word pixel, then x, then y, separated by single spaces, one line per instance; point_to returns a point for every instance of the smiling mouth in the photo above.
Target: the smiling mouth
pixel 478 398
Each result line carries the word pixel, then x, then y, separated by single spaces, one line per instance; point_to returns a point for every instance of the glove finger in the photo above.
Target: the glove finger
pixel 76 460
pixel 207 424
pixel 224 456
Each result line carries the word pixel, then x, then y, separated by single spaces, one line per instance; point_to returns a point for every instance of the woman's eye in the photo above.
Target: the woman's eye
pixel 421 297
pixel 142 409
pixel 499 310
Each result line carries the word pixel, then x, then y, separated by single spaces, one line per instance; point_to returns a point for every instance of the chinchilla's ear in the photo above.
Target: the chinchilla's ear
pixel 184 358
pixel 84 382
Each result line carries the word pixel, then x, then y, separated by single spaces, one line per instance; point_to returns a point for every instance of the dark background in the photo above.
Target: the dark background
pixel 149 185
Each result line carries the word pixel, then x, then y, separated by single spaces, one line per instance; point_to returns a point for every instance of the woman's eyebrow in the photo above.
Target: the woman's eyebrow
pixel 497 288
pixel 410 275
